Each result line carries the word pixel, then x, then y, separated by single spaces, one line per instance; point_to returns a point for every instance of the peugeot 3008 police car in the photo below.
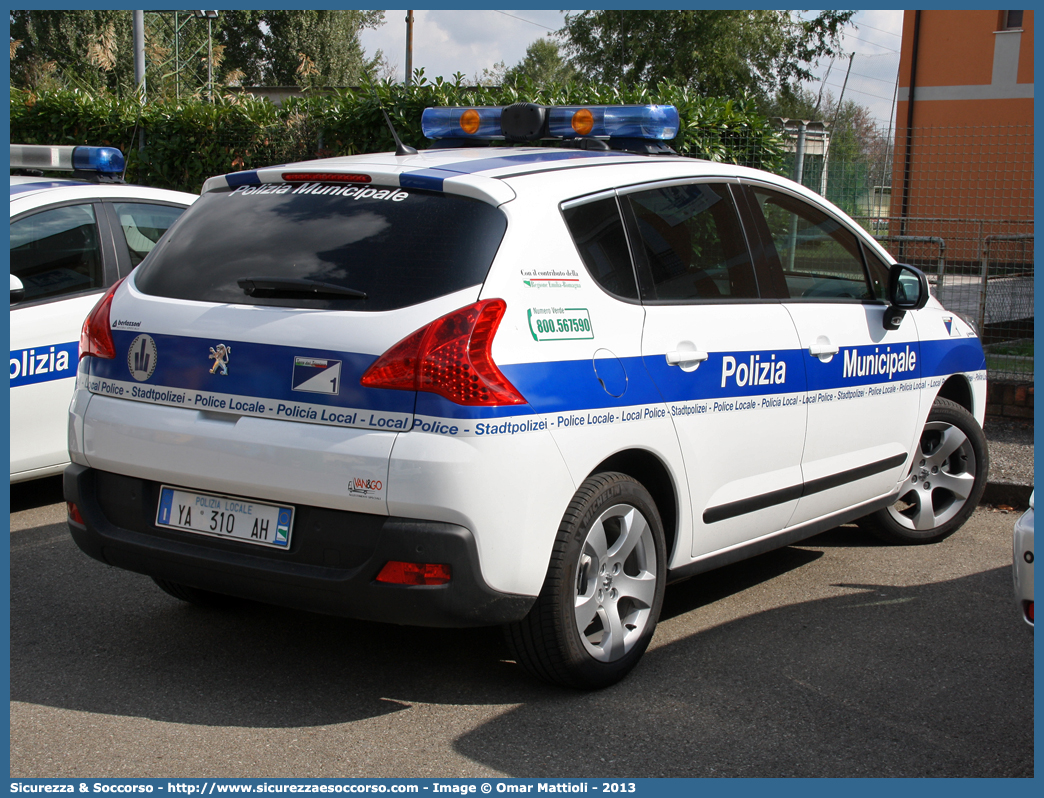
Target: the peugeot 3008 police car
pixel 71 239
pixel 528 387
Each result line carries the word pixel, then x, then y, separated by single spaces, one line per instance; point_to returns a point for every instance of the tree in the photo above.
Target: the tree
pixel 716 53
pixel 860 151
pixel 94 49
pixel 491 76
pixel 799 102
pixel 543 64
pixel 242 39
pixel 854 135
pixel 86 49
pixel 310 48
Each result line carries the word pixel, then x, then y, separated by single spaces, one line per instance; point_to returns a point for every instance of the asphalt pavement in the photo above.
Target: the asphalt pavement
pixel 837 657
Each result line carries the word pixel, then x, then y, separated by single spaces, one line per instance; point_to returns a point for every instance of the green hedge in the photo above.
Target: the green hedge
pixel 187 141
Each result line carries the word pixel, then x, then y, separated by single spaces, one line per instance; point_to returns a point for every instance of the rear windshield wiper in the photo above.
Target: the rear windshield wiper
pixel 296 286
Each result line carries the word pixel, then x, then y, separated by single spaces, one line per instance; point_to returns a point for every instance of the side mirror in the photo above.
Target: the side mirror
pixel 907 290
pixel 17 290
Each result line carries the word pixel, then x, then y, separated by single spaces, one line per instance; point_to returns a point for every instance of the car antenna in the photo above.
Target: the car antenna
pixel 400 148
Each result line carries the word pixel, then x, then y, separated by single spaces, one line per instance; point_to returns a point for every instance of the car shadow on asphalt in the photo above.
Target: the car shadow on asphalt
pixel 707 588
pixel 929 680
pixel 88 637
pixel 36 493
pixel 884 681
pixel 91 638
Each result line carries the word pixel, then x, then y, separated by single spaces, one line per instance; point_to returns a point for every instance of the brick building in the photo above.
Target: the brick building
pixel 964 131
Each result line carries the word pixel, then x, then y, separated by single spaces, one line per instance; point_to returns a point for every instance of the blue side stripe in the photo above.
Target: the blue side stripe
pixel 951 356
pixel 258 371
pixel 706 381
pixel 266 372
pixel 552 387
pixel 566 386
pixel 44 363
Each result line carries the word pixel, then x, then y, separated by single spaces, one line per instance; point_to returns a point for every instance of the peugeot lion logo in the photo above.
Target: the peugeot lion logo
pixel 220 355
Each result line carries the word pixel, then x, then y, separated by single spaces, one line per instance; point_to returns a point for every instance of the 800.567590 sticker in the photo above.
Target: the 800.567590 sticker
pixel 560 324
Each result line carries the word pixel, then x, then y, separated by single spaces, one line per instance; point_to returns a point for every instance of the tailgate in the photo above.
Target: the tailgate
pixel 268 362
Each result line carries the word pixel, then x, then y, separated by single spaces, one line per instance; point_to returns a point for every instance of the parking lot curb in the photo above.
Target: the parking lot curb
pixel 997 493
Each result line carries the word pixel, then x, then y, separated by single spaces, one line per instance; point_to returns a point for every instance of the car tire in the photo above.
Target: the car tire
pixel 193 595
pixel 945 483
pixel 601 599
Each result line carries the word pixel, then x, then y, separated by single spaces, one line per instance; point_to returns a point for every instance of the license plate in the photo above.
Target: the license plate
pixel 225 517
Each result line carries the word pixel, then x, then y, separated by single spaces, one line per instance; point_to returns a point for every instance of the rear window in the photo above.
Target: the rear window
pixel 398 247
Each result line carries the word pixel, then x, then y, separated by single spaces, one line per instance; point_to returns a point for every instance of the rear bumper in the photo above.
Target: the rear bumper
pixel 1022 568
pixel 331 566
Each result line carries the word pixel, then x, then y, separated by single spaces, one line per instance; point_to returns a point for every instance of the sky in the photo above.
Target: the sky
pixel 445 42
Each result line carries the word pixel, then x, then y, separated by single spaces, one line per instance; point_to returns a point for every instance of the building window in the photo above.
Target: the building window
pixel 1011 20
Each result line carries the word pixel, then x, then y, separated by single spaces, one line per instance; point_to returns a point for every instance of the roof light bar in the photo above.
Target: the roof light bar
pixel 481 122
pixel 105 160
pixel 657 122
pixel 650 122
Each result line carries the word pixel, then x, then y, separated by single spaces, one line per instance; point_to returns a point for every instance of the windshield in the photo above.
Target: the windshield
pixel 396 247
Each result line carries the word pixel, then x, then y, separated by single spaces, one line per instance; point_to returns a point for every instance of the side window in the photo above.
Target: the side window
pixel 56 252
pixel 820 258
pixel 598 233
pixel 692 244
pixel 143 224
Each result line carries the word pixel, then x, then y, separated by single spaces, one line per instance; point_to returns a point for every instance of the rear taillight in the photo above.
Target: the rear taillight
pixel 74 514
pixel 450 357
pixel 414 573
pixel 95 336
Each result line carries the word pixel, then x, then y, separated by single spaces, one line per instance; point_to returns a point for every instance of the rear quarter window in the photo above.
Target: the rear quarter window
pixel 598 232
pixel 399 247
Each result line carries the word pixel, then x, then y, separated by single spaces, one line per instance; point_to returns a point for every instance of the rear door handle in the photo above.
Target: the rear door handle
pixel 819 350
pixel 681 356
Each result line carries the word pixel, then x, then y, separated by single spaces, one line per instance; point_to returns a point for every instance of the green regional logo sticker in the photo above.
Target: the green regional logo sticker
pixel 560 324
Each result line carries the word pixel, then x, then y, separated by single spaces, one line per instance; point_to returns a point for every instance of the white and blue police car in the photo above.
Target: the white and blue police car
pixel 71 239
pixel 513 386
pixel 1022 563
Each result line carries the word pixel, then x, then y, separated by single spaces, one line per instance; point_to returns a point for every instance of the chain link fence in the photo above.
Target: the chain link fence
pixel 955 202
pixel 179 50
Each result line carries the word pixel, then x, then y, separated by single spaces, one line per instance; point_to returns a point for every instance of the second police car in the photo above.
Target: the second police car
pixel 526 386
pixel 72 237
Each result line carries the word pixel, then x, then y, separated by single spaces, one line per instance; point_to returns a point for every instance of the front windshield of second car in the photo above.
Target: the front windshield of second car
pixel 398 246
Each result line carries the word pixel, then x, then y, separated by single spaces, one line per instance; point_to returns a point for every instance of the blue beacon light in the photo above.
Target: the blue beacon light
pixel 479 122
pixel 98 159
pixel 656 122
pixel 66 158
pixel 648 122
